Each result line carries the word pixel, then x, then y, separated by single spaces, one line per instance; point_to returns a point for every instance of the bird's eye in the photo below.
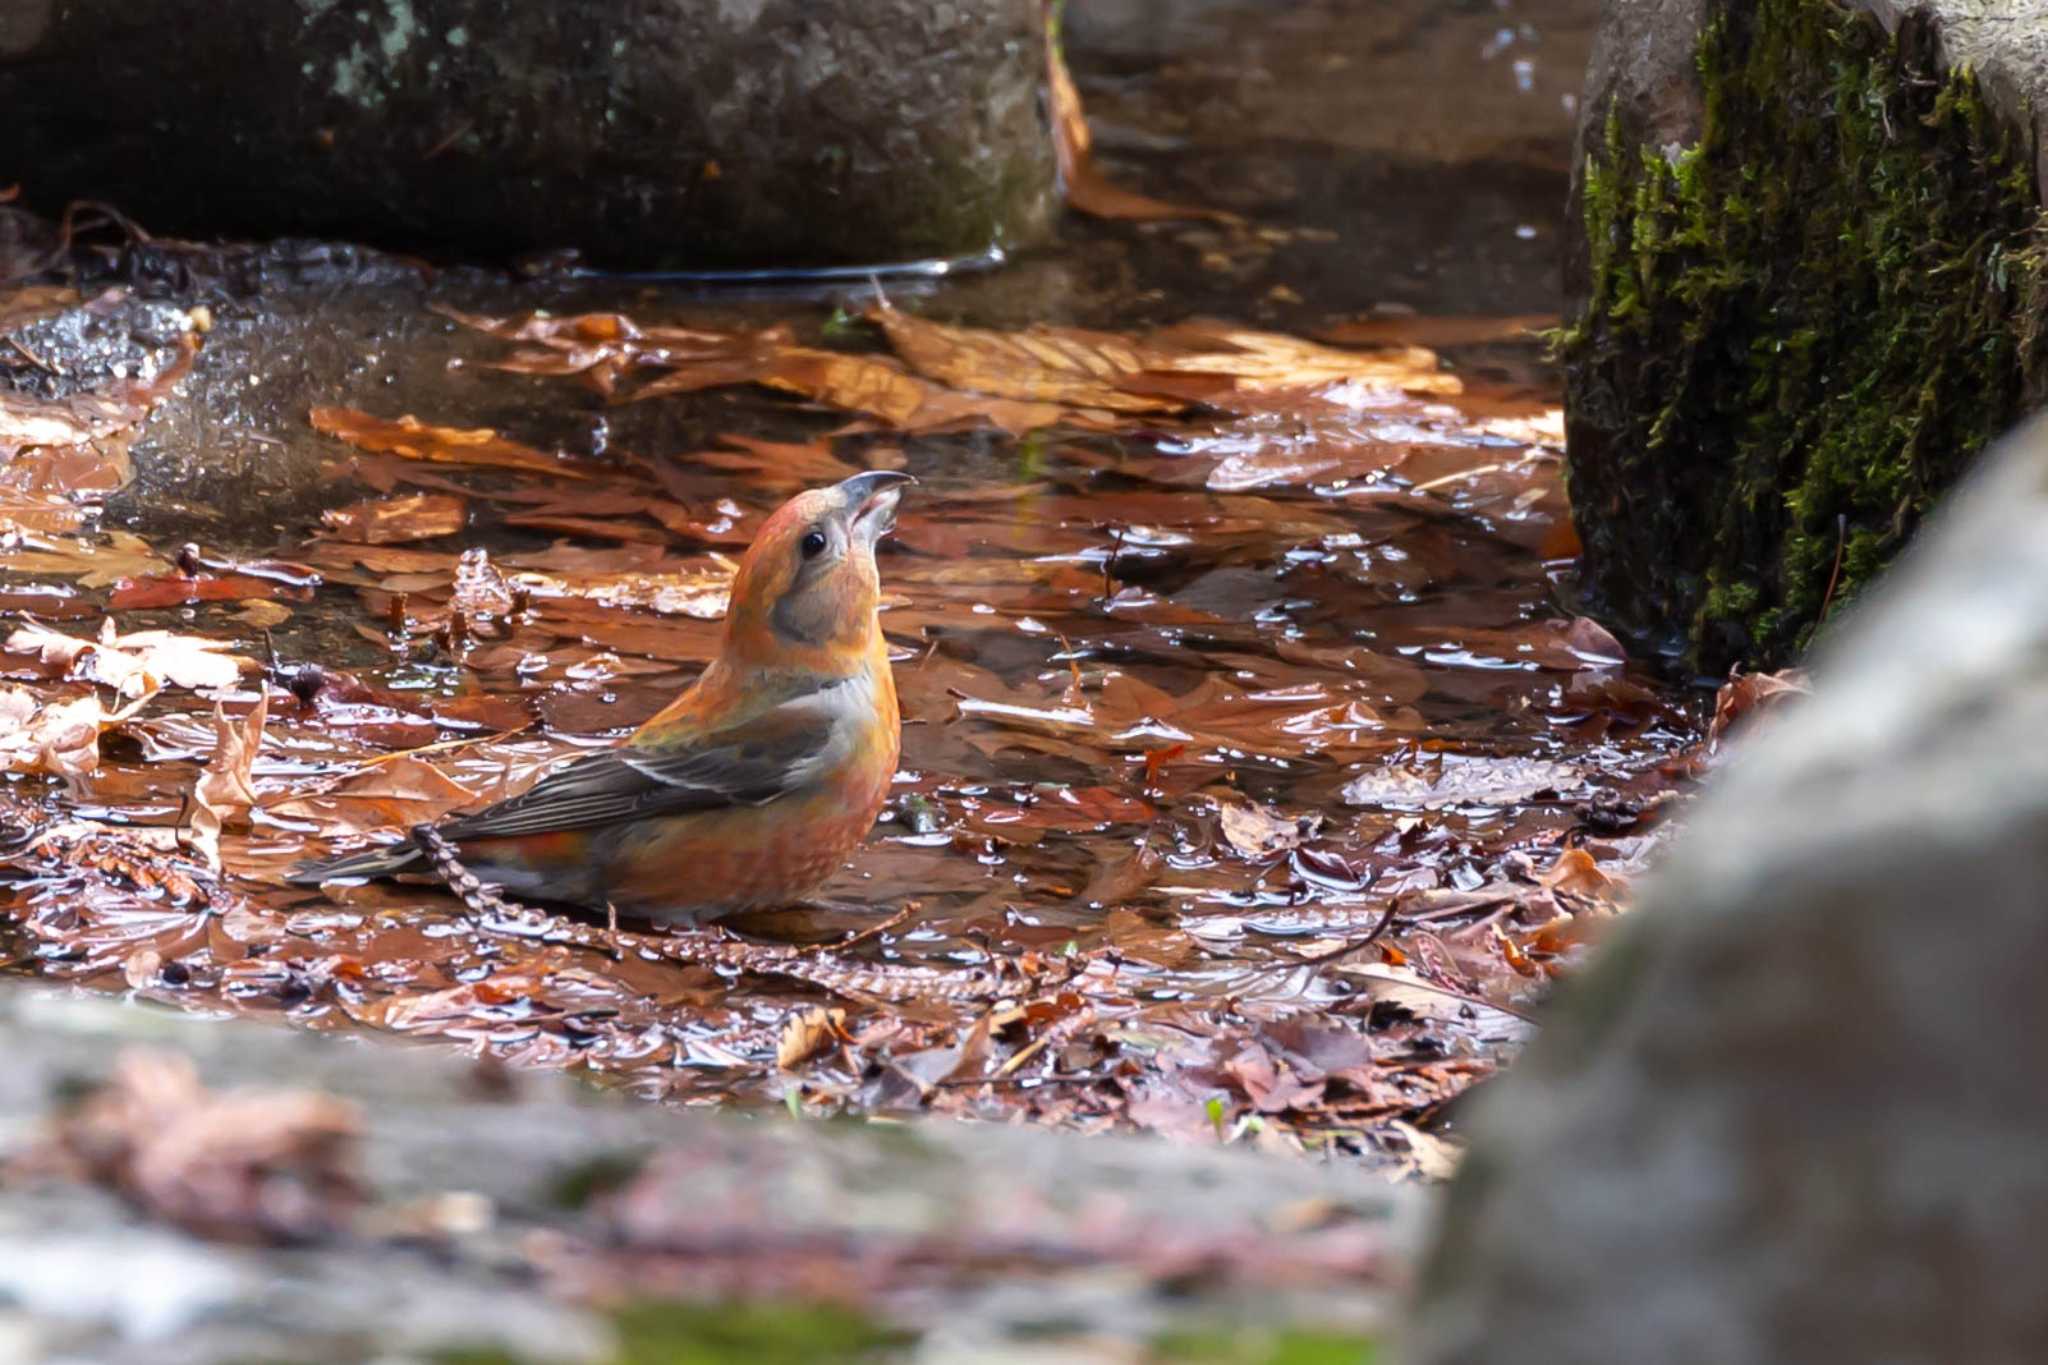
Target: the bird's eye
pixel 814 544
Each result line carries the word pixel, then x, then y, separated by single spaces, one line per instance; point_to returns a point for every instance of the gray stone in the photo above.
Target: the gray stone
pixel 1794 1112
pixel 1099 1234
pixel 679 134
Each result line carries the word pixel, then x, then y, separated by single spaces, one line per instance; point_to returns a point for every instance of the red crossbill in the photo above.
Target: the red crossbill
pixel 748 789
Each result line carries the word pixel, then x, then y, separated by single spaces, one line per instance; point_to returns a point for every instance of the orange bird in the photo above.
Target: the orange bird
pixel 748 789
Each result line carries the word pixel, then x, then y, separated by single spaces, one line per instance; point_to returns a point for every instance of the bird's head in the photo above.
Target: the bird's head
pixel 807 586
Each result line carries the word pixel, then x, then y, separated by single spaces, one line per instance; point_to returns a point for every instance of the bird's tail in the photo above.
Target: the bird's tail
pixel 371 862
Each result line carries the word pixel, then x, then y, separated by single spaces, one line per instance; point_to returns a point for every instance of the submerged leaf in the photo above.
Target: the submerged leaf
pixel 416 440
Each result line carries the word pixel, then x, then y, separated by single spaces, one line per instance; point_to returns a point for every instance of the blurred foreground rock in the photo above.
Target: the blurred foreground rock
pixel 512 1215
pixel 1795 1111
pixel 751 133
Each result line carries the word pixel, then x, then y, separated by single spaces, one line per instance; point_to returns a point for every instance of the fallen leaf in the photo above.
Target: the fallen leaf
pixel 883 389
pixel 254 1166
pixel 58 738
pixel 807 1034
pixel 1073 145
pixel 226 791
pixel 394 521
pixel 1423 330
pixel 136 664
pixel 1437 781
pixel 1752 694
pixel 1068 366
pixel 415 440
pixel 1258 834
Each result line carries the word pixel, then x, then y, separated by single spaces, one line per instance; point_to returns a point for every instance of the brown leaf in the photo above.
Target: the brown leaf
pixel 253 1166
pixel 60 738
pixel 393 521
pixel 1063 365
pixel 881 388
pixel 226 790
pixel 397 794
pixel 1073 145
pixel 808 1033
pixel 1751 694
pixel 135 664
pixel 1227 366
pixel 175 589
pixel 1417 330
pixel 415 440
pixel 1258 834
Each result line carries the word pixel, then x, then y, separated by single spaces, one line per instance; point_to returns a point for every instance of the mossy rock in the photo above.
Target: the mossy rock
pixel 664 135
pixel 1808 279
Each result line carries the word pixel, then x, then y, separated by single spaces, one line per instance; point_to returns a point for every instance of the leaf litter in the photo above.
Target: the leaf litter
pixel 1253 788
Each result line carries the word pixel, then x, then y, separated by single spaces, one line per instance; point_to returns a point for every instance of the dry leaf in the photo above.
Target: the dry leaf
pixel 808 1033
pixel 59 738
pixel 226 791
pixel 134 665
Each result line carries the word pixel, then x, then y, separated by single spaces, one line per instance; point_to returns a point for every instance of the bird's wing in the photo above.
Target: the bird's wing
pixel 747 764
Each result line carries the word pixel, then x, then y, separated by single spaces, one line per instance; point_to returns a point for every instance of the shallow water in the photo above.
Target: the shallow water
pixel 1191 704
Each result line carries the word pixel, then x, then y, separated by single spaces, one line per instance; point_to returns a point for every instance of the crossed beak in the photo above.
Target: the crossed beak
pixel 870 502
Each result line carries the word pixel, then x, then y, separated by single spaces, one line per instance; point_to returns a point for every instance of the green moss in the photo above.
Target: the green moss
pixel 757 1333
pixel 584 1181
pixel 1292 1346
pixel 1799 330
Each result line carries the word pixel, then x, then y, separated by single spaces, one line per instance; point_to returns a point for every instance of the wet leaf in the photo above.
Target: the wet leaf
pixel 881 388
pixel 1438 781
pixel 57 738
pixel 807 1034
pixel 1752 694
pixel 1408 329
pixel 175 589
pixel 415 440
pixel 1087 189
pixel 1065 366
pixel 394 521
pixel 226 791
pixel 1258 834
pixel 136 664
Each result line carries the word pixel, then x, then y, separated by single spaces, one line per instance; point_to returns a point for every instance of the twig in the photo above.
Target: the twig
pixel 33 358
pixel 1835 576
pixel 1385 919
